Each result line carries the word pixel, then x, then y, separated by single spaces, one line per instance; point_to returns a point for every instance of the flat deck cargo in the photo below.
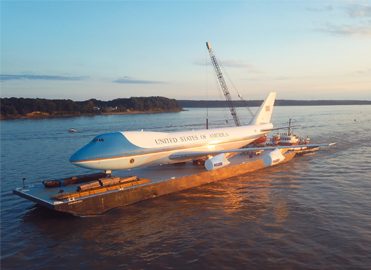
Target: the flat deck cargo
pixel 98 193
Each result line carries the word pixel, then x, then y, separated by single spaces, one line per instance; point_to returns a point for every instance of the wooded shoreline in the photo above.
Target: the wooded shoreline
pixel 28 108
pixel 279 102
pixel 35 108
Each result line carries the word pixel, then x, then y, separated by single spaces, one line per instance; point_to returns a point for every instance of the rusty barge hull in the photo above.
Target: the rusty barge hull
pixel 164 180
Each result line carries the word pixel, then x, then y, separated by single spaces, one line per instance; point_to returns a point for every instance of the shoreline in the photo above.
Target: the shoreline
pixel 278 103
pixel 45 115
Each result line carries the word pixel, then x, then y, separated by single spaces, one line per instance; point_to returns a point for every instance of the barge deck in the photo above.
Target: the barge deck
pixel 101 192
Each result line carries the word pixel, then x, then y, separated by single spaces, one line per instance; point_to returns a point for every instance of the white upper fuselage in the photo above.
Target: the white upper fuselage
pixel 130 149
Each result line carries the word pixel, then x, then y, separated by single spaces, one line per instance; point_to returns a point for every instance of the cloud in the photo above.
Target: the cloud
pixel 231 64
pixel 129 80
pixel 235 64
pixel 359 11
pixel 14 77
pixel 363 72
pixel 224 63
pixel 320 9
pixel 347 30
pixel 358 25
pixel 282 78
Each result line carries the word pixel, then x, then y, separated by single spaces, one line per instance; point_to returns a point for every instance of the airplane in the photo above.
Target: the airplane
pixel 124 150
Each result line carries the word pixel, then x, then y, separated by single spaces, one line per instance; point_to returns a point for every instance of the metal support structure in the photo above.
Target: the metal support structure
pixel 289 130
pixel 223 85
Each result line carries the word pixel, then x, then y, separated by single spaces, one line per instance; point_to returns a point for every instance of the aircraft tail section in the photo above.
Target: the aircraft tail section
pixel 264 113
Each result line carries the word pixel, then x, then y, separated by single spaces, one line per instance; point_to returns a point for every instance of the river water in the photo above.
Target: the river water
pixel 311 213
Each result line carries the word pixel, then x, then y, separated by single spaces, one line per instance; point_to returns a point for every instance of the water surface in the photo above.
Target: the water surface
pixel 311 213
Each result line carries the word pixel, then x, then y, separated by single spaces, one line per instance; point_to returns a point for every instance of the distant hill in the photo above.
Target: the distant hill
pixel 279 102
pixel 13 108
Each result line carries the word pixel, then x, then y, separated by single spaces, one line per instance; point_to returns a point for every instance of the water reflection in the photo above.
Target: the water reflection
pixel 312 213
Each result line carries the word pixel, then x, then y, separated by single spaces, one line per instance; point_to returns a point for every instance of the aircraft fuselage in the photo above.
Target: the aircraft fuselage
pixel 131 149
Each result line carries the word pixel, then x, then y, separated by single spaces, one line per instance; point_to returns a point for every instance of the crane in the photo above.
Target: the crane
pixel 223 85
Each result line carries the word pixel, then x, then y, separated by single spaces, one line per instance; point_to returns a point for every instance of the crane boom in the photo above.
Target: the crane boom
pixel 223 85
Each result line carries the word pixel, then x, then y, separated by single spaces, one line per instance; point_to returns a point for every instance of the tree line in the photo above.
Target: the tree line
pixel 257 103
pixel 18 107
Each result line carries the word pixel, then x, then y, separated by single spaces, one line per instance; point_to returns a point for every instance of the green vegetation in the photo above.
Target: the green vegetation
pixel 12 108
pixel 257 103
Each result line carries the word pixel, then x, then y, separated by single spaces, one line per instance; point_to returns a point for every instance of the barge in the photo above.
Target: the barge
pixel 95 194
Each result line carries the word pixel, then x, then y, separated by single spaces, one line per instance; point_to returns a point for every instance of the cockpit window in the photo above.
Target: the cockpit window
pixel 98 140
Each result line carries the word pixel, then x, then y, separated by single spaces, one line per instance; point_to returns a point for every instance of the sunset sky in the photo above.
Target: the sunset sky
pixel 114 49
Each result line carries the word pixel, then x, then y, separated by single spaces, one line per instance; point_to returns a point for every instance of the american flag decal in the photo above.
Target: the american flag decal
pixel 267 108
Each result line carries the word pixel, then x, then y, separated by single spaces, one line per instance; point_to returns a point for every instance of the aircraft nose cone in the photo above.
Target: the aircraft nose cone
pixel 77 156
pixel 92 150
pixel 102 147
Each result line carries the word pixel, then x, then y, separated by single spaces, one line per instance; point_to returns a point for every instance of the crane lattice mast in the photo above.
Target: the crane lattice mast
pixel 223 85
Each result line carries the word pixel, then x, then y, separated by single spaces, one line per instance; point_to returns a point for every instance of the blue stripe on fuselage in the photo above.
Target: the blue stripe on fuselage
pixel 105 146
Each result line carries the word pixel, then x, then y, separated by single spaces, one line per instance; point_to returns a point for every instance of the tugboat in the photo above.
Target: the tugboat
pixel 289 138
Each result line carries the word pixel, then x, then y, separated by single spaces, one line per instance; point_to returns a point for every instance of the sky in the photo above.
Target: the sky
pixel 117 49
